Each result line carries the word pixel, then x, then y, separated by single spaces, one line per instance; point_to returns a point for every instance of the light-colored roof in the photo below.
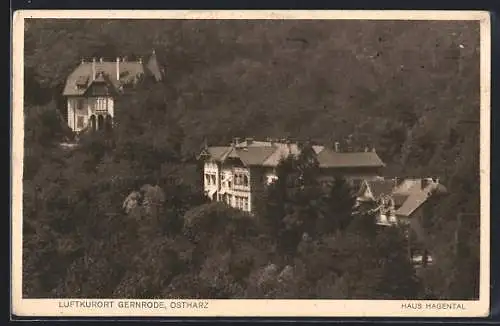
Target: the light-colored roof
pixel 251 155
pixel 416 196
pixel 154 68
pixel 408 186
pixel 255 155
pixel 129 73
pixel 269 154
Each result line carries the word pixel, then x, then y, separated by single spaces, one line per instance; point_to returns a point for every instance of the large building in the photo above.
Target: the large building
pixel 92 88
pixel 236 173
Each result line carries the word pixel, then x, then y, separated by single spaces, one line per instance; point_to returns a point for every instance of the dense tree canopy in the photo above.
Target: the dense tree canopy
pixel 404 87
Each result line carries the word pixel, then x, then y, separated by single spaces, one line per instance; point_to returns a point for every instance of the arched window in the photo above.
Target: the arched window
pixel 245 181
pixel 100 122
pixel 93 122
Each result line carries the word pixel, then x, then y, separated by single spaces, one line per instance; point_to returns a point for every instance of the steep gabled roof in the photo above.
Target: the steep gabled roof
pixel 414 201
pixel 416 196
pixel 255 155
pixel 154 68
pixel 252 155
pixel 129 73
pixel 214 152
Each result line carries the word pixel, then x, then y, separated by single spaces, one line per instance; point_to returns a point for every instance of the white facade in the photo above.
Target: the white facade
pixel 228 184
pixel 81 109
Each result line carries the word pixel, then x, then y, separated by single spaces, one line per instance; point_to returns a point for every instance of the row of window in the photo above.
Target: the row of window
pixel 241 203
pixel 210 179
pixel 98 123
pixel 101 104
pixel 241 180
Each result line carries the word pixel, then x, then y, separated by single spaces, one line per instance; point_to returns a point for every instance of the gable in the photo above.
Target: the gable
pixel 100 89
pixel 364 193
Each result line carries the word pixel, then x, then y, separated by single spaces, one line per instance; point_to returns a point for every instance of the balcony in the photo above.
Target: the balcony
pixel 385 220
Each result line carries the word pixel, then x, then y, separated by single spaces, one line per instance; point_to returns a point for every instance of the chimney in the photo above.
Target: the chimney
pixel 101 60
pixel 373 149
pixel 249 141
pixel 82 61
pixel 366 149
pixel 140 60
pixel 117 68
pixel 337 146
pixel 236 141
pixel 124 59
pixel 93 68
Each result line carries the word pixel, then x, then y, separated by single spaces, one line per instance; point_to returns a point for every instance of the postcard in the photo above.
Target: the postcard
pixel 255 163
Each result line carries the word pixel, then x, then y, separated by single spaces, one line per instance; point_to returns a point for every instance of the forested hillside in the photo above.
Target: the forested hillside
pixel 411 89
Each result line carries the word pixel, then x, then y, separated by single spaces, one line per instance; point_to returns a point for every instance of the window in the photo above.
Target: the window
pixel 207 179
pixel 245 181
pixel 212 177
pixel 79 122
pixel 80 104
pixel 101 104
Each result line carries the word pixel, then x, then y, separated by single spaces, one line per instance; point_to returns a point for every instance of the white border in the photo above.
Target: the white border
pixel 293 308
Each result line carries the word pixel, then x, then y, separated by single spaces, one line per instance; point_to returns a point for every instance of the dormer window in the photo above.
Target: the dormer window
pixel 82 82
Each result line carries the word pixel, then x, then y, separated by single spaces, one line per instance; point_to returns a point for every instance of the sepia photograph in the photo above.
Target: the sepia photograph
pixel 175 161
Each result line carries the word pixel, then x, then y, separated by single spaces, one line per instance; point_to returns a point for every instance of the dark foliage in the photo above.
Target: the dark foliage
pixel 403 87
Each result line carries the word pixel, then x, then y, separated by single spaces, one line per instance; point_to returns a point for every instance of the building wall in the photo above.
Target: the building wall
pixel 83 107
pixel 258 178
pixel 221 180
pixel 211 180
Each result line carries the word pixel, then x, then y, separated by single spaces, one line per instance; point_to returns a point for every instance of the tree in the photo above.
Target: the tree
pixel 398 278
pixel 398 86
pixel 339 205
